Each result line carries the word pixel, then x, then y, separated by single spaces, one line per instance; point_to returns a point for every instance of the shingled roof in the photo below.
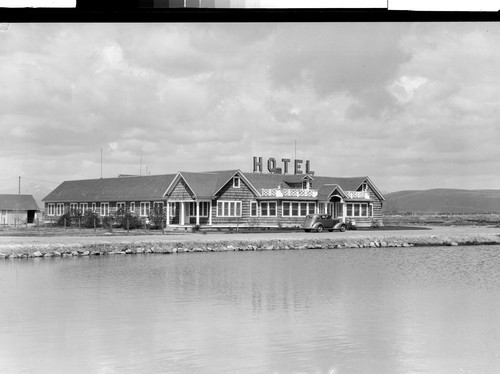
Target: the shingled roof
pixel 17 202
pixel 203 184
pixel 149 187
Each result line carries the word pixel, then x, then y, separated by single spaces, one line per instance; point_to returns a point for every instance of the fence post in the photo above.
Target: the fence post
pixel 162 227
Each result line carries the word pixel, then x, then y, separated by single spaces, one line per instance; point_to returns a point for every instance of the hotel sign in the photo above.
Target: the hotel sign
pixel 272 166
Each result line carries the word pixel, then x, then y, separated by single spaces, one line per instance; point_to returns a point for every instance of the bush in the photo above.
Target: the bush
pixel 134 222
pixel 88 219
pixel 156 217
pixel 64 220
pixel 108 221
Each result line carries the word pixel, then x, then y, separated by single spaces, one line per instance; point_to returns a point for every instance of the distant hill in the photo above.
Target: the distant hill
pixel 443 200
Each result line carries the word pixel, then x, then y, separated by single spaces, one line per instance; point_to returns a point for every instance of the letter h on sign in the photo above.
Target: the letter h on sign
pixel 257 164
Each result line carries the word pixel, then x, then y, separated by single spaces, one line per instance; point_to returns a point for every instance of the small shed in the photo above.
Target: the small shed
pixel 17 209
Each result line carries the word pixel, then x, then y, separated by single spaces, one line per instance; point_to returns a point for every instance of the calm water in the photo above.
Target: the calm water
pixel 411 310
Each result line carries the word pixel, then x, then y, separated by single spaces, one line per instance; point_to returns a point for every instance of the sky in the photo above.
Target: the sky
pixel 411 105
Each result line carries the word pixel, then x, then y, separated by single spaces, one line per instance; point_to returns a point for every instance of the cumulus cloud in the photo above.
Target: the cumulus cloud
pixel 411 105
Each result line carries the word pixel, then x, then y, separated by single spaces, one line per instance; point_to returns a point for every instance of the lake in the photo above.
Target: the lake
pixel 380 310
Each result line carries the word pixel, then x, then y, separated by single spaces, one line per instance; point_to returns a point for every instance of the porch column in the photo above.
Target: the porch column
pixel 210 213
pixel 197 212
pixel 182 213
pixel 344 211
pixel 168 214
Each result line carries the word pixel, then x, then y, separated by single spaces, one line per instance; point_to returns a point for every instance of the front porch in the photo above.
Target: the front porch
pixel 189 213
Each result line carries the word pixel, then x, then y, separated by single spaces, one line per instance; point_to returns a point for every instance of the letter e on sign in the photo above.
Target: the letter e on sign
pixel 297 167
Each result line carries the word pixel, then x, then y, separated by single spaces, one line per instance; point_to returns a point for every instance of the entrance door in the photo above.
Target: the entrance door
pixel 175 209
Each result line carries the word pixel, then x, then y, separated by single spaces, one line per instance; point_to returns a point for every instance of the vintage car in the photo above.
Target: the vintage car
pixel 320 222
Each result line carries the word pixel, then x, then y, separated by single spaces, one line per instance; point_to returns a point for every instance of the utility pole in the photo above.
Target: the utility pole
pixel 101 163
pixel 140 167
pixel 19 189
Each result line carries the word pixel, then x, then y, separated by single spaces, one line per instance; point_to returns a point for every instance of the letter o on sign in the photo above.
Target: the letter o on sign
pixel 271 165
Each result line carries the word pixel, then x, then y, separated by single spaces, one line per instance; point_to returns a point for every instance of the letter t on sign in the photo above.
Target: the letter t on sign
pixel 285 165
pixel 257 165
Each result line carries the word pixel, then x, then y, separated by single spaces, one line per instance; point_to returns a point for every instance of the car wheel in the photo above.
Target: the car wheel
pixel 342 228
pixel 319 228
pixel 307 230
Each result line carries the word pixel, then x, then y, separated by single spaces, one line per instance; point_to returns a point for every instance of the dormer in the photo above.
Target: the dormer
pixel 236 181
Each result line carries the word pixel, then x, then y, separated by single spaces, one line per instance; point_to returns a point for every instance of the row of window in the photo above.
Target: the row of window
pixel 103 209
pixel 359 210
pixel 224 209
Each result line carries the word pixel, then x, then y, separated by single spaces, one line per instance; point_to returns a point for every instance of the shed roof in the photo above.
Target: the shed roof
pixel 17 202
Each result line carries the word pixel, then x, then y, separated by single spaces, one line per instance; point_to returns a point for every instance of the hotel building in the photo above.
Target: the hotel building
pixel 227 198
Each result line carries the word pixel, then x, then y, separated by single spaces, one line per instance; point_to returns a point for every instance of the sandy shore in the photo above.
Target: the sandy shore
pixel 49 246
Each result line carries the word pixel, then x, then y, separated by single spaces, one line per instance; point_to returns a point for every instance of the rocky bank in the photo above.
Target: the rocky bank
pixel 201 244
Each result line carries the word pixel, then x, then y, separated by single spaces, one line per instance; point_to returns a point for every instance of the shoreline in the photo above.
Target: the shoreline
pixel 12 247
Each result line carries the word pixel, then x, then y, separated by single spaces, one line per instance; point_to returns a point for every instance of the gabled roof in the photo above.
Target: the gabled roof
pixel 259 180
pixel 328 190
pixel 17 202
pixel 296 178
pixel 202 184
pixel 149 187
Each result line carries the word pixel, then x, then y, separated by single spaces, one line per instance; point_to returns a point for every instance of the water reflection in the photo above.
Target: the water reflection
pixel 394 310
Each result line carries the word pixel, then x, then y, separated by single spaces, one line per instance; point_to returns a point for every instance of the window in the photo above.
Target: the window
pixel 268 209
pixel 73 206
pixel 60 209
pixel 312 208
pixel 286 209
pixel 236 182
pixel 132 207
pixel 253 208
pixel 144 209
pixel 51 209
pixel 104 209
pixel 296 209
pixel 303 209
pixel 83 207
pixel 120 206
pixel 94 207
pixel 203 206
pixel 359 210
pixel 158 206
pixel 229 209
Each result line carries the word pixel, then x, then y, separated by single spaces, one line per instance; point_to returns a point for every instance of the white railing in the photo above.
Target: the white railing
pixel 288 192
pixel 357 194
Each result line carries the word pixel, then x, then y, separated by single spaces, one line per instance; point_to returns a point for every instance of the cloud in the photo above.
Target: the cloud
pixel 404 103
